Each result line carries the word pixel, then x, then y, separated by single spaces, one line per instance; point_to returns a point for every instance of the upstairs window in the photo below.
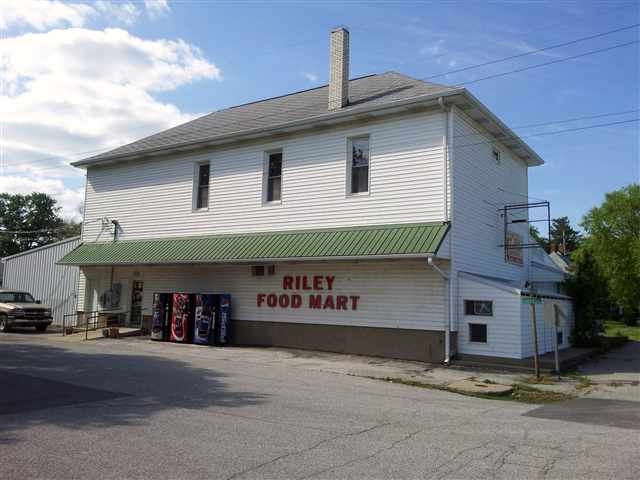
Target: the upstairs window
pixel 359 165
pixel 274 177
pixel 202 186
pixel 496 156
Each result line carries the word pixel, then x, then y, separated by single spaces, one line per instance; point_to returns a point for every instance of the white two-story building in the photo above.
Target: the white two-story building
pixel 365 217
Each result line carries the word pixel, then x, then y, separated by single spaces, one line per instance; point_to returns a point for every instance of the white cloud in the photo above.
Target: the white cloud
pixel 125 13
pixel 80 90
pixel 156 8
pixel 41 15
pixel 312 77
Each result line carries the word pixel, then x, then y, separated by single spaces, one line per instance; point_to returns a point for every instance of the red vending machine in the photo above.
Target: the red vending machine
pixel 181 316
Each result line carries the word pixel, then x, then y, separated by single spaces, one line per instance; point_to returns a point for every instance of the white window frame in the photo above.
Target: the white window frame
pixel 265 176
pixel 196 187
pixel 349 168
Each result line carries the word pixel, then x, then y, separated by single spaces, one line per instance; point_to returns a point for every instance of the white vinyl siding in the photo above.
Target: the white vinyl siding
pixel 545 326
pixel 393 294
pixel 503 327
pixel 153 198
pixel 480 188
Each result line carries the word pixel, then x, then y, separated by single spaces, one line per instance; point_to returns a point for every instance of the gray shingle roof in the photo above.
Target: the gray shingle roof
pixel 372 90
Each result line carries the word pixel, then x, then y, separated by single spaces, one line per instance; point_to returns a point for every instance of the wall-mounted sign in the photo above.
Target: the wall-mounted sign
pixel 312 300
pixel 513 251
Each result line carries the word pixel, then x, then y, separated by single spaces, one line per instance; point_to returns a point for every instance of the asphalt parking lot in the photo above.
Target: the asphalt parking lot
pixel 137 409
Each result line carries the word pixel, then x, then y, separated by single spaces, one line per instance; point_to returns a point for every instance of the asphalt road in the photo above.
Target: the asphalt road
pixel 137 409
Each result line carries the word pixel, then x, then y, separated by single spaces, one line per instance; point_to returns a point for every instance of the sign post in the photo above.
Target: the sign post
pixel 556 322
pixel 532 300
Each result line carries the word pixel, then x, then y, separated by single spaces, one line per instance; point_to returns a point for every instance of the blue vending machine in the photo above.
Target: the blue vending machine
pixel 205 318
pixel 161 316
pixel 223 327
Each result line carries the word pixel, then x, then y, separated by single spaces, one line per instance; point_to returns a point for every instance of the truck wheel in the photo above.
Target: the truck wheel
pixel 4 326
pixel 41 328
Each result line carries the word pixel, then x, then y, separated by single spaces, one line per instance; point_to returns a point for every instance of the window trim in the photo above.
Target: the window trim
pixel 265 177
pixel 466 300
pixel 196 187
pixel 349 167
pixel 486 331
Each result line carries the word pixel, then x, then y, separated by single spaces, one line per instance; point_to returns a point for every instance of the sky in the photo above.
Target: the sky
pixel 78 78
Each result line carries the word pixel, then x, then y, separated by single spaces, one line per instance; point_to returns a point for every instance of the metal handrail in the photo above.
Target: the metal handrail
pixel 92 317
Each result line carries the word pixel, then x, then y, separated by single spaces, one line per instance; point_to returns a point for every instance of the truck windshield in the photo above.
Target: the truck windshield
pixel 16 297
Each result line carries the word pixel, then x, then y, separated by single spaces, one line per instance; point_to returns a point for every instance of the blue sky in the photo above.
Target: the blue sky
pixel 205 55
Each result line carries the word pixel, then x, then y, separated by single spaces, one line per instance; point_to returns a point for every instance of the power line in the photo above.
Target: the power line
pixel 402 83
pixel 532 52
pixel 544 134
pixel 530 67
pixel 556 122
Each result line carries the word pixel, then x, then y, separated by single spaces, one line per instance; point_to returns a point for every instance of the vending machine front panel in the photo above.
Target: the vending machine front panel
pixel 161 316
pixel 180 317
pixel 204 318
pixel 224 324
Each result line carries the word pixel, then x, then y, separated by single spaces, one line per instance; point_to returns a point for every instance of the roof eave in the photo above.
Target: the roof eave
pixel 506 134
pixel 324 119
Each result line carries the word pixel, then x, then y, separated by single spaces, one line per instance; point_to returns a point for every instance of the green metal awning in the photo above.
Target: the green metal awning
pixel 409 240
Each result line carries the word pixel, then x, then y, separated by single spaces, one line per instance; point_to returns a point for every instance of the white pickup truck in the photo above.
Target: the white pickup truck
pixel 19 309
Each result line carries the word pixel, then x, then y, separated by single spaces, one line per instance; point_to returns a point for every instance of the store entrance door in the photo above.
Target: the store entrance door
pixel 135 318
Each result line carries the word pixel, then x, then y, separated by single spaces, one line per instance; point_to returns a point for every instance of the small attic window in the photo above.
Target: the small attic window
pixel 496 155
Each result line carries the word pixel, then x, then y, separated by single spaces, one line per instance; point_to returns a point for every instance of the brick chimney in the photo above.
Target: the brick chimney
pixel 339 69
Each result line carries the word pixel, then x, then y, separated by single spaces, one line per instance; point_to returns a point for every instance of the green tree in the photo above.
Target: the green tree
pixel 614 237
pixel 29 221
pixel 535 235
pixel 564 236
pixel 588 287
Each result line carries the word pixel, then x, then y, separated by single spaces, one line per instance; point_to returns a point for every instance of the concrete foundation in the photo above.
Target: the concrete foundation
pixel 405 344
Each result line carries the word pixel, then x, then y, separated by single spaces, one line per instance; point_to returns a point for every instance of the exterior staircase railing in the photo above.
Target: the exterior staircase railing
pixel 90 321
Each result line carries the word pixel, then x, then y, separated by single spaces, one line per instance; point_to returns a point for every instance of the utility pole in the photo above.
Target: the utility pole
pixel 536 363
pixel 556 322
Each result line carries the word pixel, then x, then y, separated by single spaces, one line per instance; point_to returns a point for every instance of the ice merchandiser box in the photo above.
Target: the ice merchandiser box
pixel 181 317
pixel 161 317
pixel 223 325
pixel 205 318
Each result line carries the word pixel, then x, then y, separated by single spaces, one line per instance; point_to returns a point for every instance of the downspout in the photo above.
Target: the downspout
pixel 452 270
pixel 447 211
pixel 447 332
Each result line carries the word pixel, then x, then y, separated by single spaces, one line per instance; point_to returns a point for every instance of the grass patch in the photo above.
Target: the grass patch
pixel 521 392
pixel 585 382
pixel 542 380
pixel 613 328
pixel 528 394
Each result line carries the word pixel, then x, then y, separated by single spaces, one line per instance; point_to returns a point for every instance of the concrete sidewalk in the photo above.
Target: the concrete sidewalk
pixel 610 376
pixel 370 367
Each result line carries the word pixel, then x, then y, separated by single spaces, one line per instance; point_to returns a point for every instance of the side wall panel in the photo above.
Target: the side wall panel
pixel 392 294
pixel 480 188
pixel 37 273
pixel 545 326
pixel 153 198
pixel 503 328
